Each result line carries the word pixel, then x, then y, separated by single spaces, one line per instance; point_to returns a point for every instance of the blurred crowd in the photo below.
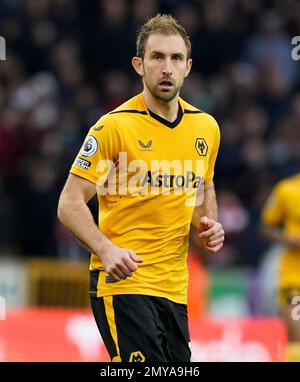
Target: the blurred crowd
pixel 68 62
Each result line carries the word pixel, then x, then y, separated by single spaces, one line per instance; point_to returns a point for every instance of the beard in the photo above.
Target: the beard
pixel 162 95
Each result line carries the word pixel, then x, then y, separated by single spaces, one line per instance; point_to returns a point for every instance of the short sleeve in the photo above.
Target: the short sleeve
pixel 214 152
pixel 101 145
pixel 273 211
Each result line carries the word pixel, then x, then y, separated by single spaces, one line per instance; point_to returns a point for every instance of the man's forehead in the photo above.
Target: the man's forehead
pixel 160 42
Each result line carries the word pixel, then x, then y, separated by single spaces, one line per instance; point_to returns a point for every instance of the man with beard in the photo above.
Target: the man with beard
pixel 160 152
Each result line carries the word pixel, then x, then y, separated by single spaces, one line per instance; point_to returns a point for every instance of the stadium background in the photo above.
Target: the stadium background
pixel 68 62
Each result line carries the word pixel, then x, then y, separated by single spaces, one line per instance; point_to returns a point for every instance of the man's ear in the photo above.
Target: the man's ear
pixel 188 67
pixel 137 63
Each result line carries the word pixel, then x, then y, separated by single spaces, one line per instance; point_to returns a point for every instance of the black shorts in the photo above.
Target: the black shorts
pixel 139 328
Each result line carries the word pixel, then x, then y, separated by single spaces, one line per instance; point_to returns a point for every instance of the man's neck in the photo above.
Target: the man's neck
pixel 166 110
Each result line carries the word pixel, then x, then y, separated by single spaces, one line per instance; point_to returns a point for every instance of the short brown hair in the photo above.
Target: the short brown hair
pixel 165 24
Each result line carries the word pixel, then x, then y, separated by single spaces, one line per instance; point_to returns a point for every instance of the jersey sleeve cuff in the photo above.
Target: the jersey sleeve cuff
pixel 83 174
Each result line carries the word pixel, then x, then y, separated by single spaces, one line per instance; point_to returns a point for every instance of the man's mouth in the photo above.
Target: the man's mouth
pixel 165 84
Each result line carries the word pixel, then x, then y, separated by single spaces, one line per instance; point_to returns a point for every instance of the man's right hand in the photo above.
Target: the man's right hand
pixel 120 263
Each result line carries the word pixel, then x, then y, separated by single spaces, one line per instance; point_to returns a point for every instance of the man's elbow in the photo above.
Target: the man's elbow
pixel 269 233
pixel 61 208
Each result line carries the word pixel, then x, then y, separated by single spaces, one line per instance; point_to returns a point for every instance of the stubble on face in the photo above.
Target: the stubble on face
pixel 159 94
pixel 164 86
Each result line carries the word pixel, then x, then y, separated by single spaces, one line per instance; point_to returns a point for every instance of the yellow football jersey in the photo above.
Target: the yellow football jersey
pixel 283 208
pixel 147 171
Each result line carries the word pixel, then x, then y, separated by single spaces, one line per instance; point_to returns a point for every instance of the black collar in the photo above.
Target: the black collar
pixel 167 123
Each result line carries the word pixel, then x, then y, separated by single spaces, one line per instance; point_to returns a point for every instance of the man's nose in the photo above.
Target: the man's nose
pixel 167 69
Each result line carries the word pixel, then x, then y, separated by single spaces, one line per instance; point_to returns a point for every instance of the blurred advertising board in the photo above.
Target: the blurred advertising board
pixel 71 335
pixel 238 340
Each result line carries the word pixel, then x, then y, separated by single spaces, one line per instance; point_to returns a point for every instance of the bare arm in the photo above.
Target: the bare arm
pixel 276 235
pixel 205 219
pixel 75 215
pixel 208 208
